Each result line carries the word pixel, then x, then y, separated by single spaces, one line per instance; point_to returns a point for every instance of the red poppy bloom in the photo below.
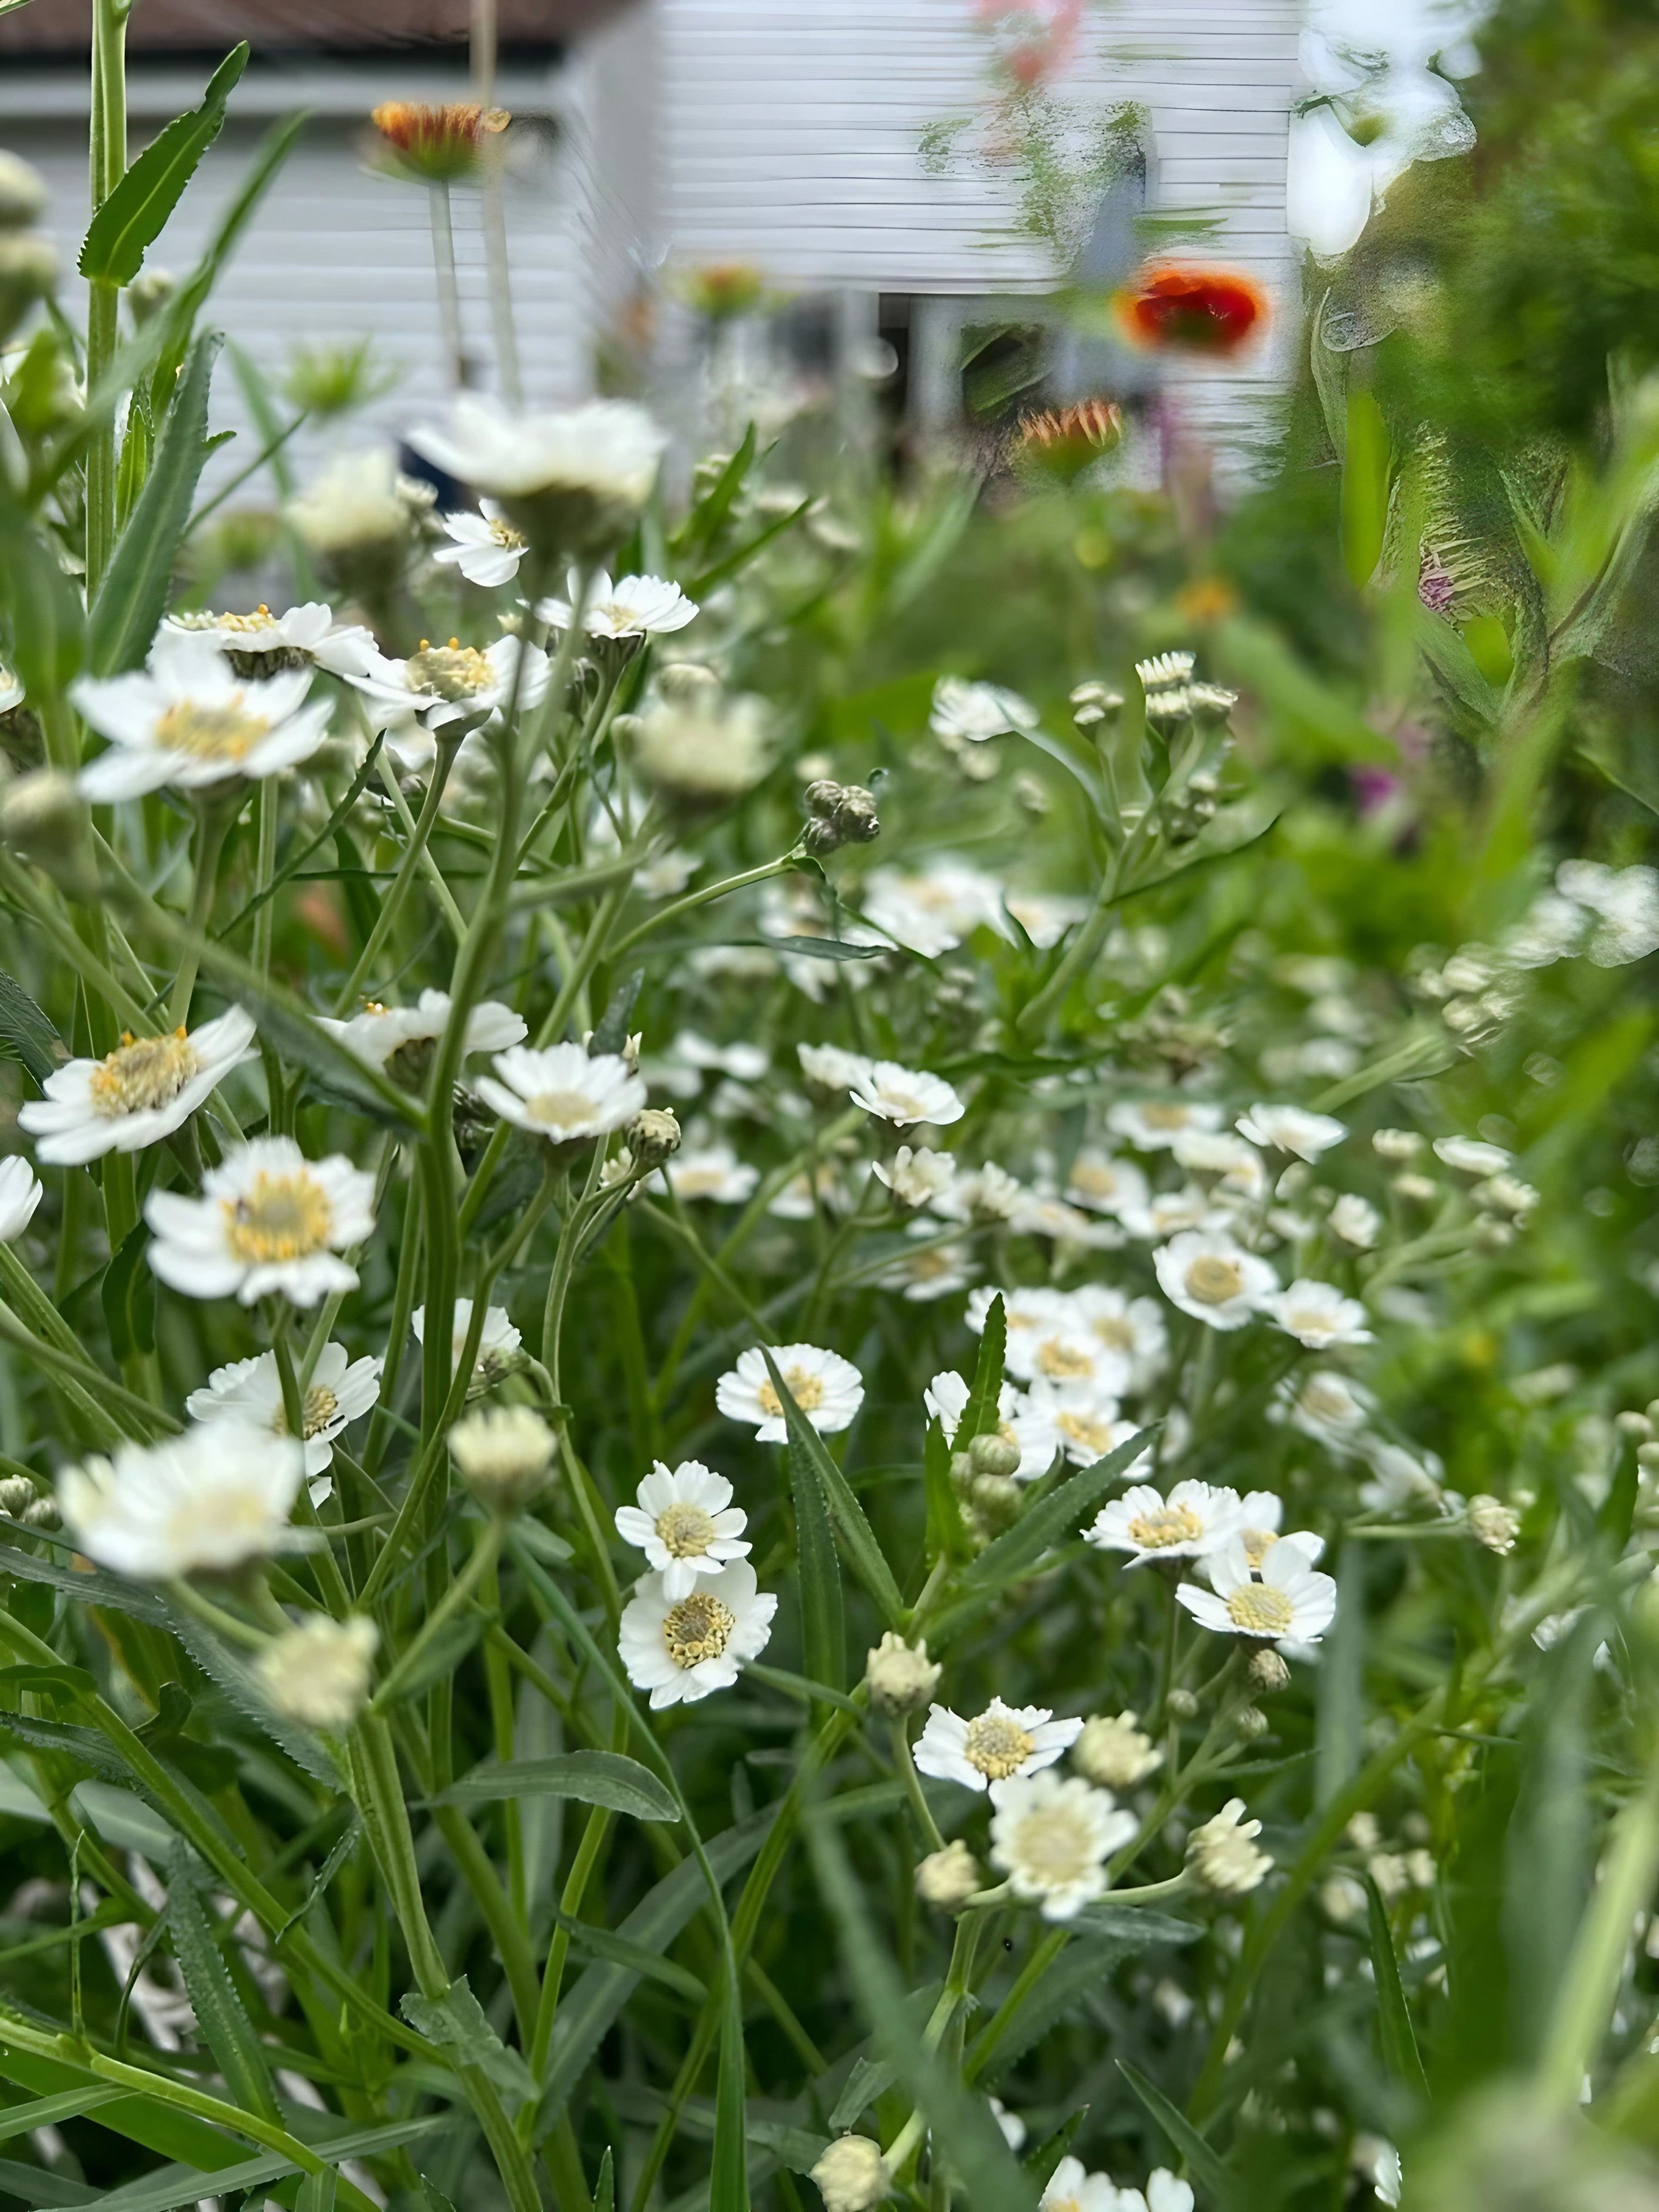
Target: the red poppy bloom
pixel 1185 310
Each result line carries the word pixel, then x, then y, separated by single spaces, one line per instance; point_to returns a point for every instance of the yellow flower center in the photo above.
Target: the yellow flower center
pixel 928 1266
pixel 1167 1525
pixel 1065 1363
pixel 1091 1177
pixel 685 1531
pixel 1259 1609
pixel 561 1110
pixel 904 1104
pixel 1054 1845
pixel 1093 1435
pixel 1164 1116
pixel 453 670
pixel 698 1627
pixel 807 1390
pixel 1212 1281
pixel 282 1217
pixel 211 733
pixel 1257 1543
pixel 143 1074
pixel 699 1183
pixel 250 625
pixel 504 534
pixel 320 1406
pixel 1115 1331
pixel 997 1746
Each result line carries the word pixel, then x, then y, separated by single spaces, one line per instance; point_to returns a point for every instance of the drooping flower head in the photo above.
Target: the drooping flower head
pixel 436 144
pixel 1170 308
pixel 1062 441
pixel 573 479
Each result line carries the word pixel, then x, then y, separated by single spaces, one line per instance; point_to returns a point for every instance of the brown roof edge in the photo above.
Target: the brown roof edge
pixel 62 28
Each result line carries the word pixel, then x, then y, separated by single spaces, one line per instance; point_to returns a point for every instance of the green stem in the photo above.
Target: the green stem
pixel 414 852
pixel 906 1768
pixel 1589 1987
pixel 485 1552
pixel 692 900
pixel 213 823
pixel 108 157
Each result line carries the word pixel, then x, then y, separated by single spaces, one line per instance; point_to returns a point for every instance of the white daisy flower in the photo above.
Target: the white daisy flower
pixel 1207 1275
pixel 903 1096
pixel 1260 1513
pixel 1151 1125
pixel 1133 1327
pixel 1085 1424
pixel 713 1172
pixel 1290 1129
pixel 263 644
pixel 484 547
pixel 1052 1836
pixel 399 1038
pixel 1114 1754
pixel 208 1500
pixel 633 607
pixel 799 1198
pixel 1293 1603
pixel 685 1524
pixel 1167 1213
pixel 187 719
pixel 561 1094
pixel 1469 1156
pixel 1356 1221
pixel 975 712
pixel 985 1195
pixel 249 1392
pixel 1325 1406
pixel 1400 1478
pixel 1318 1314
pixel 1039 1214
pixel 21 1192
pixel 744 1062
pixel 937 1271
pixel 1104 1184
pixel 933 913
pixel 443 684
pixel 318 1674
pixel 1019 1421
pixel 828 1388
pixel 1216 1152
pixel 1194 1520
pixel 269 1220
pixel 828 1068
pixel 990 1751
pixel 919 1176
pixel 135 1096
pixel 1072 2188
pixel 498 1341
pixel 608 449
pixel 1045 916
pixel 681 1649
pixel 1062 1351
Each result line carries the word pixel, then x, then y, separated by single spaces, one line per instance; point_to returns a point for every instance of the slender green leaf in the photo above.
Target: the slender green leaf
pixel 1201 2162
pixel 611 1030
pixel 864 1554
pixel 133 596
pixel 126 1292
pixel 37 2185
pixel 85 1746
pixel 823 1619
pixel 604 1943
pixel 1393 2019
pixel 593 1777
pixel 1364 485
pixel 456 2023
pixel 158 2128
pixel 945 1534
pixel 46 642
pixel 25 1034
pixel 604 2188
pixel 48 2112
pixel 131 220
pixel 712 510
pixel 63 1681
pixel 982 1415
pixel 820 948
pixel 317 2192
pixel 443 1652
pixel 178 2185
pixel 1040 2163
pixel 728 2179
pixel 739 559
pixel 1058 1515
pixel 218 2009
pixel 870 2078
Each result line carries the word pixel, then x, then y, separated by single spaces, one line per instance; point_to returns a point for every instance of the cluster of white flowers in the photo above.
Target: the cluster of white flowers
pixel 695 1620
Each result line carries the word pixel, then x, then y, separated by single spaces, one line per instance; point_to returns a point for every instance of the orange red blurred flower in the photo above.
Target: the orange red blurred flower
pixel 1063 441
pixel 437 145
pixel 722 289
pixel 1173 308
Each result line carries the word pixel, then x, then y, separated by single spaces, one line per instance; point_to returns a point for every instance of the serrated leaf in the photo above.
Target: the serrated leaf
pixel 131 218
pixel 456 2023
pixel 1201 2162
pixel 1040 2164
pixel 1057 1516
pixel 870 2079
pixel 26 1034
pixel 822 948
pixel 822 1616
pixel 981 1416
pixel 219 2010
pixel 1393 2019
pixel 95 1589
pixel 593 1777
pixel 85 1746
pixel 177 2186
pixel 611 1031
pixel 864 1554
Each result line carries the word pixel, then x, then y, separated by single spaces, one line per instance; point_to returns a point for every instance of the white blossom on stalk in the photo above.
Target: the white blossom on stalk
pixel 1470 1156
pixel 484 547
pixel 1318 1314
pixel 681 1649
pixel 1214 1279
pixel 1195 1520
pixel 1292 1603
pixel 632 607
pixel 907 1095
pixel 998 1744
pixel 1151 1125
pixel 830 1069
pixel 380 1035
pixel 929 1270
pixel 263 644
pixel 1325 1406
pixel 1084 1424
pixel 561 1093
pixel 1356 1221
pixel 135 1096
pixel 609 449
pixel 1290 1129
pixel 1170 1212
pixel 1133 1326
pixel 933 913
pixel 249 1392
pixel 1223 1854
pixel 1065 1350
pixel 21 1192
pixel 985 1195
pixel 713 1172
pixel 975 712
pixel 1114 1754
pixel 743 1061
pixel 828 1388
pixel 268 1220
pixel 498 1341
pixel 319 1673
pixel 919 1176
pixel 1104 1184
pixel 187 719
pixel 1260 1514
pixel 685 1524
pixel 1019 1421
pixel 1072 2188
pixel 441 685
pixel 1052 1836
pixel 207 1501
pixel 1217 1153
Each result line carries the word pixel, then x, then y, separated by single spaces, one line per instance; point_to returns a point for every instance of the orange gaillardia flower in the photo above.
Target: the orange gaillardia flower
pixel 722 289
pixel 437 145
pixel 1187 310
pixel 1063 441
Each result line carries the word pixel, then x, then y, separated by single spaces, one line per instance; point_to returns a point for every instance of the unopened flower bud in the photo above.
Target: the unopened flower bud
pixel 1635 1424
pixel 318 1674
pixel 17 1494
pixel 1416 1189
pixel 1267 1670
pixel 852 2175
pixel 23 197
pixel 28 271
pixel 822 796
pixel 687 682
pixel 150 292
pixel 1114 1754
pixel 1647 1458
pixel 43 1514
pixel 1094 702
pixel 997 1497
pixel 653 1136
pixel 859 821
pixel 1493 1524
pixel 900 1676
pixel 504 1455
pixel 994 1454
pixel 44 817
pixel 1182 1704
pixel 1223 1853
pixel 948 1878
pixel 1249 1723
pixel 961 1470
pixel 1397 1144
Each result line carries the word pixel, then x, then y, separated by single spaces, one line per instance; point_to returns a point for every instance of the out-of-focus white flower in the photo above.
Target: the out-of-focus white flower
pixel 989 1750
pixel 249 1393
pixel 1260 1513
pixel 359 509
pixel 1013 2128
pixel 1469 1156
pixel 1194 1521
pixel 1325 1406
pixel 1113 1753
pixel 828 1068
pixel 1104 1184
pixel 319 1673
pixel 1552 929
pixel 1293 1603
pixel 828 1388
pixel 263 644
pixel 187 719
pixel 484 547
pixel 1133 1327
pixel 1493 1524
pixel 1400 1478
pixel 931 1271
pixel 744 1062
pixel 1170 1212
pixel 1223 1854
pixel 1038 1213
pixel 1072 2188
pixel 1084 1424
pixel 607 452
pixel 21 1192
pixel 1626 901
pixel 1018 1422
pixel 632 607
pixel 983 1195
pixel 1028 1309
pixel 800 1198
pixel 948 1878
pixel 561 1093
pixel 498 1341
pixel 505 1454
pixel 1329 184
pixel 1317 1315
pixel 1151 1125
pixel 1052 1835
pixel 1207 1275
pixel 208 1500
pixel 852 2175
pixel 395 1037
pixel 713 1172
pixel 1382 2167
pixel 933 913
pixel 685 1524
pixel 135 1096
pixel 268 1221
pixel 1508 1193
pixel 1216 1152
pixel 706 752
pixel 681 1649
pixel 975 712
pixel 905 1096
pixel 11 691
pixel 1290 1129
pixel 1065 1353
pixel 1356 1221
pixel 919 1176
pixel 1045 916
